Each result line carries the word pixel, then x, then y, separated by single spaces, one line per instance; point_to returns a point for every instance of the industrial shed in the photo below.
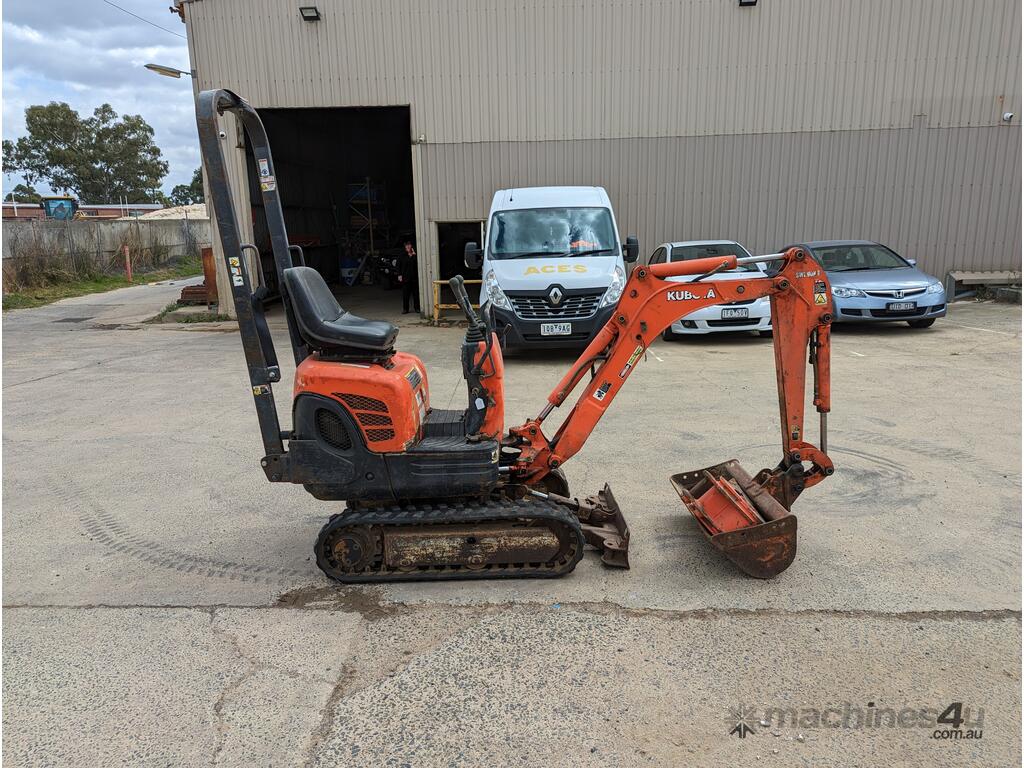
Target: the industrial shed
pixel 766 122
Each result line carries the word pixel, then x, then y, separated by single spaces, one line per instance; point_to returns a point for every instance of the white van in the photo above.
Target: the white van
pixel 553 264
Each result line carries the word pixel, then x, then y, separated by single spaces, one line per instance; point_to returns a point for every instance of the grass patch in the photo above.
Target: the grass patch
pixel 202 317
pixel 159 317
pixel 47 294
pixel 188 317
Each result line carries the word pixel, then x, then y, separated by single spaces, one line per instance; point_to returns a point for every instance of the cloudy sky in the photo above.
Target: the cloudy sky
pixel 86 53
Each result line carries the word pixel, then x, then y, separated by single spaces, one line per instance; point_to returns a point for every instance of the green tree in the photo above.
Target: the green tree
pixel 23 193
pixel 99 159
pixel 187 194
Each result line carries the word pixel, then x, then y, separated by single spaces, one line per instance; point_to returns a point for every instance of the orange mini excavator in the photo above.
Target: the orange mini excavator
pixel 454 494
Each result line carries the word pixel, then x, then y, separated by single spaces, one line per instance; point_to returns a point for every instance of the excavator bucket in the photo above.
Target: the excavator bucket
pixel 740 518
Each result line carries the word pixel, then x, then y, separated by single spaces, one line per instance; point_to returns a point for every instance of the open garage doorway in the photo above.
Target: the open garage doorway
pixel 452 237
pixel 345 179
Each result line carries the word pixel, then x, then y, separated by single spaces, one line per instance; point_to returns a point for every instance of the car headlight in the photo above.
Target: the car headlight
pixel 934 288
pixel 614 292
pixel 494 293
pixel 847 293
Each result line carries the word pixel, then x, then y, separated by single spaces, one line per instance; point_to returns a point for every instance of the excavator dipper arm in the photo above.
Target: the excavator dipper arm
pixel 801 317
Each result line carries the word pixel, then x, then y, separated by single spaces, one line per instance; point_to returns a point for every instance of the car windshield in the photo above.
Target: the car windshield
pixel 551 232
pixel 687 252
pixel 850 258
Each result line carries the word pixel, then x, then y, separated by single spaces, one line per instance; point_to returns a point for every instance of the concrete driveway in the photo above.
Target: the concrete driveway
pixel 162 606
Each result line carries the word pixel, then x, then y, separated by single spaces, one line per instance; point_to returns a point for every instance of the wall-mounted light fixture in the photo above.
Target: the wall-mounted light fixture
pixel 160 69
pixel 309 13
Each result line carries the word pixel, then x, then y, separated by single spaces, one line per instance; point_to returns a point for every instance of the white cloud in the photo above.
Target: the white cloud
pixel 87 53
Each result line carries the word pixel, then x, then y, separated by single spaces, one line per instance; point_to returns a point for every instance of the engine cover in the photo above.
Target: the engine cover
pixel 388 401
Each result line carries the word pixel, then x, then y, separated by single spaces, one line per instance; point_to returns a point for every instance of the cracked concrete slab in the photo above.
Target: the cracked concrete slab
pixel 173 686
pixel 657 689
pixel 162 602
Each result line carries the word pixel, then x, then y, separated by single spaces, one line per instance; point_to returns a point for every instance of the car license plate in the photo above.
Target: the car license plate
pixel 732 313
pixel 900 306
pixel 555 329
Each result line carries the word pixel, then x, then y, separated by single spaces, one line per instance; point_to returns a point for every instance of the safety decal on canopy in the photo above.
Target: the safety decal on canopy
pixel 236 271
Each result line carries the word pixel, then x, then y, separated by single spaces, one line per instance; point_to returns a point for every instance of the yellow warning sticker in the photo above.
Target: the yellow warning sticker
pixel 820 298
pixel 632 360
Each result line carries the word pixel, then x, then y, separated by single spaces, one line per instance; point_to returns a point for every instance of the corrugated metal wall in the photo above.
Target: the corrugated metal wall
pixel 491 70
pixel 792 119
pixel 948 197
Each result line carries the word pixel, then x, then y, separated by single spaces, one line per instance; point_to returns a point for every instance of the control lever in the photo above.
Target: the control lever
pixel 458 287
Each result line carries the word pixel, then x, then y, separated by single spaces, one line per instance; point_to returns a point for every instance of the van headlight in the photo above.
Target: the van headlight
pixel 614 292
pixel 494 293
pixel 847 293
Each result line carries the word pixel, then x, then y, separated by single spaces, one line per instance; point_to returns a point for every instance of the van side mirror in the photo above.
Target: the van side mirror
pixel 632 250
pixel 473 256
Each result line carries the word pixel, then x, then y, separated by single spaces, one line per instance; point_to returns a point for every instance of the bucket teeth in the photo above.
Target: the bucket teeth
pixel 740 518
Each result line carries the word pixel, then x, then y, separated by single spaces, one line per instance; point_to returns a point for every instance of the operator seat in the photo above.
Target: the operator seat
pixel 328 328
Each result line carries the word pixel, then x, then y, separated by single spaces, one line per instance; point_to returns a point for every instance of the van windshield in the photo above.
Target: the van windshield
pixel 551 233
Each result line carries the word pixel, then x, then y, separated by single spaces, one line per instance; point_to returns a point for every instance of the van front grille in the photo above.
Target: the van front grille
pixel 536 305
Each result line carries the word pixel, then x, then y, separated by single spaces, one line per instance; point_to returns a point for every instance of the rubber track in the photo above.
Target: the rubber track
pixel 504 510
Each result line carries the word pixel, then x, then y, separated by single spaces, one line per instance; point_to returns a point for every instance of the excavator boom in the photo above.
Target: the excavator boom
pixel 747 518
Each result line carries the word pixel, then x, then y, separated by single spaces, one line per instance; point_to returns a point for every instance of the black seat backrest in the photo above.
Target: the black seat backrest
pixel 325 326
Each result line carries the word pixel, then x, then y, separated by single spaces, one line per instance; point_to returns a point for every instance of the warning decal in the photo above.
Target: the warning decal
pixel 602 390
pixel 632 360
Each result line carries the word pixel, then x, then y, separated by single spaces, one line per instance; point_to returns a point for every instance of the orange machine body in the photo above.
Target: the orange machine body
pixel 388 401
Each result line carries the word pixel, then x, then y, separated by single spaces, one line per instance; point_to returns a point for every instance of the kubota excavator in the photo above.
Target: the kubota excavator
pixel 453 494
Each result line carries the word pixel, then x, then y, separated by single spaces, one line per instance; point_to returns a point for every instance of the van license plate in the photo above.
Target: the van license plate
pixel 900 306
pixel 555 329
pixel 730 314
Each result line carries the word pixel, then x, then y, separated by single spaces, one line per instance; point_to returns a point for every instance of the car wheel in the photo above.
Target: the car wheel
pixel 668 335
pixel 927 323
pixel 765 334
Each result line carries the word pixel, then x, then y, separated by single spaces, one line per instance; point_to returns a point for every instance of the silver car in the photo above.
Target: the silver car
pixel 873 283
pixel 751 315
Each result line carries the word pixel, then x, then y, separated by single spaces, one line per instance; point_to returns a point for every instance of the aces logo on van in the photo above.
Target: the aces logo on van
pixel 551 269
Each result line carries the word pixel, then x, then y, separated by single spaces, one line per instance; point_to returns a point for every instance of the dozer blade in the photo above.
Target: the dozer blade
pixel 740 518
pixel 611 537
